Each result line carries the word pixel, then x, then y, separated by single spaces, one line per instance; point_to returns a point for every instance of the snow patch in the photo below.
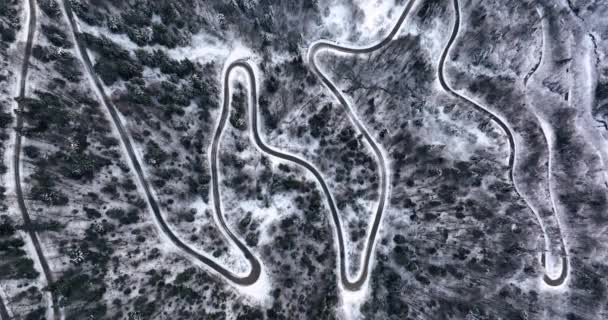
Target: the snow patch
pixel 351 301
pixel 203 47
pixel 335 19
pixel 377 15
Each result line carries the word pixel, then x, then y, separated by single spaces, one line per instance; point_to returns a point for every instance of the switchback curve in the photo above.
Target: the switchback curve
pixel 323 45
pixel 502 124
pixel 255 266
pixel 253 112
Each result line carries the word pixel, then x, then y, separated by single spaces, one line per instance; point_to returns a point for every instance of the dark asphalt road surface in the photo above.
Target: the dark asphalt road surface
pixel 369 249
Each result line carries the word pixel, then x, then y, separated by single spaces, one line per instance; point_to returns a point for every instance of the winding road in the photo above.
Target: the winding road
pixel 253 112
pixel 27 221
pixel 546 131
pixel 324 45
pixel 255 266
pixel 502 124
pixel 255 270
